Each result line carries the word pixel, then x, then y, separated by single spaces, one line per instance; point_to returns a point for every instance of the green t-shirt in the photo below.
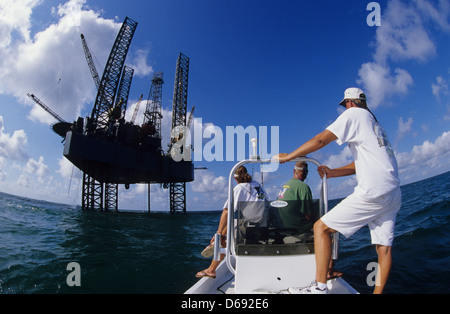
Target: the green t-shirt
pixel 297 214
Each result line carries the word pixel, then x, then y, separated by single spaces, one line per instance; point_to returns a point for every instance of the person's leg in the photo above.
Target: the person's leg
pixel 322 248
pixel 384 267
pixel 222 230
pixel 332 273
pixel 382 234
pixel 346 218
pixel 223 223
pixel 211 270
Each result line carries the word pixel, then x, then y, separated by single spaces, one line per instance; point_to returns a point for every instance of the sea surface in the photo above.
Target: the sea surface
pixel 159 253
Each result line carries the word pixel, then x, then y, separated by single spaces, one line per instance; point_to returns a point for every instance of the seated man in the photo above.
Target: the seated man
pixel 298 214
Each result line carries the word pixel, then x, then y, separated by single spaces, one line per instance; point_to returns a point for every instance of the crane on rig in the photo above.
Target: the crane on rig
pixel 111 151
pixel 45 107
pixel 59 127
pixel 136 109
pixel 90 60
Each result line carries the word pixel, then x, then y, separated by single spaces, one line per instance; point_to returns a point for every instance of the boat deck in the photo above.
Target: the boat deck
pixel 224 284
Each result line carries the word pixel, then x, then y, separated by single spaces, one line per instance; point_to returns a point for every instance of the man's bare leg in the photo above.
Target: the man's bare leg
pixel 322 248
pixel 385 264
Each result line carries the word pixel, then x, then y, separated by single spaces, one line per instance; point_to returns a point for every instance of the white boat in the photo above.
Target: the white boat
pixel 273 259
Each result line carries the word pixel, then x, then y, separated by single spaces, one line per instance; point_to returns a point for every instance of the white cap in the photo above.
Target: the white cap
pixel 353 93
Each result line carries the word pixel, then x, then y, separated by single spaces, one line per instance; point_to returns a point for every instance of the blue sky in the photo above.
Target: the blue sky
pixel 254 63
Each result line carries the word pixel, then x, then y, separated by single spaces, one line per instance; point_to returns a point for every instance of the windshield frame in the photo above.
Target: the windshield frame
pixel 230 249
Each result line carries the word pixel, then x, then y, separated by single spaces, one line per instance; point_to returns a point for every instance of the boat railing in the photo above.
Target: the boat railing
pixel 230 249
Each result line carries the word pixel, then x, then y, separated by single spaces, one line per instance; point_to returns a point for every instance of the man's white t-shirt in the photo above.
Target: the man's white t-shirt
pixel 375 163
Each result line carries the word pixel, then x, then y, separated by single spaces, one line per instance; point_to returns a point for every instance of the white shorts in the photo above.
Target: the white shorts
pixel 354 212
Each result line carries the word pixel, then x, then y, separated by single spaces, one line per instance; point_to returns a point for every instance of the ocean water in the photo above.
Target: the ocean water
pixel 159 253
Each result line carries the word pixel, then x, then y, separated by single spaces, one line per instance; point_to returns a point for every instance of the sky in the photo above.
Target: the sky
pixel 280 66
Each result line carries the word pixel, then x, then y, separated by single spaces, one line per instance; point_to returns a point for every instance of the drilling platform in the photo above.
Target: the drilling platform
pixel 110 150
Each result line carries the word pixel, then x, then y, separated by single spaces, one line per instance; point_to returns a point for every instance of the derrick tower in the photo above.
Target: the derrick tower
pixel 152 113
pixel 180 89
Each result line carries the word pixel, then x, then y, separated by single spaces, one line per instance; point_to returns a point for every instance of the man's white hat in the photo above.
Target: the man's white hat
pixel 353 93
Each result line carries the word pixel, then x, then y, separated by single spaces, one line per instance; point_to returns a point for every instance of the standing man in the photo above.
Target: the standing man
pixel 376 198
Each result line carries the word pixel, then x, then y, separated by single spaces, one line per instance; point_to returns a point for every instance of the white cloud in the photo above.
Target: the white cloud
pixel 139 63
pixel 403 127
pixel 426 159
pixel 439 14
pixel 24 181
pixel 338 187
pixel 71 175
pixel 2 167
pixel 15 18
pixel 132 104
pixel 379 83
pixel 447 114
pixel 212 189
pixel 66 168
pixel 342 159
pixel 402 36
pixel 38 169
pixel 440 88
pixel 440 91
pixel 207 182
pixel 12 146
pixel 52 64
pixel 209 191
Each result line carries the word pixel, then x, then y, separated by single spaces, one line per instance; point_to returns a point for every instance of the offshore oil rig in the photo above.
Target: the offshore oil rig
pixel 111 151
